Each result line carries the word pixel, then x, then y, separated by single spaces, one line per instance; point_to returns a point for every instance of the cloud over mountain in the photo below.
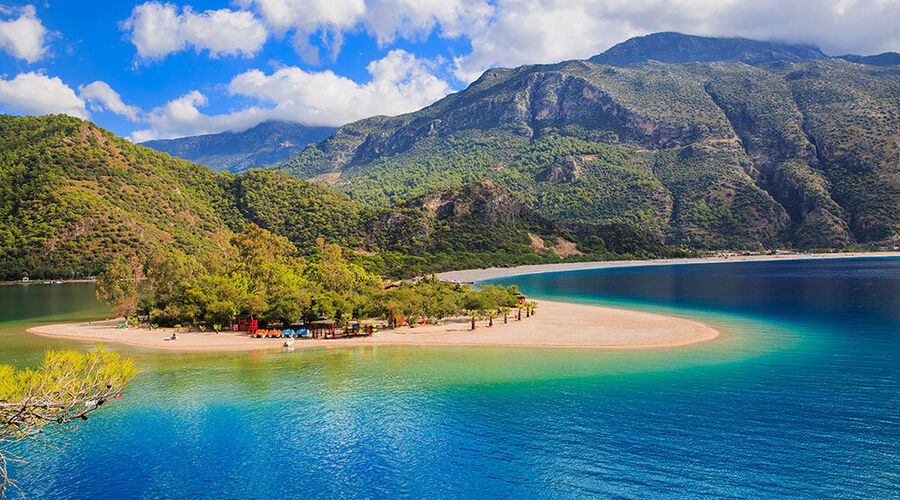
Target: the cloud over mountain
pixel 39 94
pixel 400 83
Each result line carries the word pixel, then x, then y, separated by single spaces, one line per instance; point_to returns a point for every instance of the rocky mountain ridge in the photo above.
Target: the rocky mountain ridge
pixel 795 149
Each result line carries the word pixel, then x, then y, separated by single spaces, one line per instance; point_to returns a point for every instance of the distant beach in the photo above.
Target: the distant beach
pixel 555 325
pixel 472 275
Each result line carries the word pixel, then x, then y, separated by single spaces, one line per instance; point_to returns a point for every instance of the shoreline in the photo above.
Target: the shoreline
pixel 558 325
pixel 473 275
pixel 41 281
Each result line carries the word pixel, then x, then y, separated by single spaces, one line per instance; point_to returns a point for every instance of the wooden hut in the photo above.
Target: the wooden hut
pixel 246 323
pixel 323 328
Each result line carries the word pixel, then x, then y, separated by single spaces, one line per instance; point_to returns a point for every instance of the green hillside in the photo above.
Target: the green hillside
pixel 74 196
pixel 796 149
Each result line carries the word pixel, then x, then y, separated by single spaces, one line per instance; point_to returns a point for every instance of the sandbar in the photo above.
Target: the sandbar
pixel 554 325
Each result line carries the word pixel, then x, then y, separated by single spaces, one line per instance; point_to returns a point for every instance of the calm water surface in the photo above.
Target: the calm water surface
pixel 800 397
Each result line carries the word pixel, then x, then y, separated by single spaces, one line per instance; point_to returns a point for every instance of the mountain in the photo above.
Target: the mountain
pixel 263 145
pixel 883 59
pixel 796 149
pixel 475 225
pixel 73 195
pixel 677 48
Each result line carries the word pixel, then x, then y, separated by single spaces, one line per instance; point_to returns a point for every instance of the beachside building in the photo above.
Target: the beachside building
pixel 323 328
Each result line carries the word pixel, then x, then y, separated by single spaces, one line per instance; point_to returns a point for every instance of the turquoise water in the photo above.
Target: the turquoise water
pixel 799 397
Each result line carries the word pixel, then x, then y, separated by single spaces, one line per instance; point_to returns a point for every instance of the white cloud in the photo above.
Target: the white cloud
pixel 514 32
pixel 181 117
pixel 309 15
pixel 546 31
pixel 532 32
pixel 35 93
pixel 324 22
pixel 400 83
pixel 327 19
pixel 23 37
pixel 157 30
pixel 388 20
pixel 101 96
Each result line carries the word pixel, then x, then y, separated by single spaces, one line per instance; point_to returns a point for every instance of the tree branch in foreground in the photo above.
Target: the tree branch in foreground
pixel 58 395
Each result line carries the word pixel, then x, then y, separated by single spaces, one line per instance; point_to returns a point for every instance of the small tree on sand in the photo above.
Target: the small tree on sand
pixel 475 314
pixel 56 396
pixel 505 312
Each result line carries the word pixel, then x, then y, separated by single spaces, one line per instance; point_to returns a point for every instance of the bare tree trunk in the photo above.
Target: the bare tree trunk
pixel 491 320
pixel 473 322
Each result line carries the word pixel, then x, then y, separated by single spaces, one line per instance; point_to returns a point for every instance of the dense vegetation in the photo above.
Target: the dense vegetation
pixel 72 196
pixel 259 273
pixel 731 143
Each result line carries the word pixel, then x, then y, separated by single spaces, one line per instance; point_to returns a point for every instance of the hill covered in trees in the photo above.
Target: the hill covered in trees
pixel 261 146
pixel 710 143
pixel 73 195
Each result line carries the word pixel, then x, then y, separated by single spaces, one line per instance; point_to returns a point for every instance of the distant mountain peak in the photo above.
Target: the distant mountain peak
pixel 263 145
pixel 883 59
pixel 671 47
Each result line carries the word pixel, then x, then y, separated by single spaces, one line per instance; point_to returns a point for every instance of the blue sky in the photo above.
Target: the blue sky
pixel 165 69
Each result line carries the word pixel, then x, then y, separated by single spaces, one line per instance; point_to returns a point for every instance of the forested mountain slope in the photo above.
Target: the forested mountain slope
pixel 794 149
pixel 73 195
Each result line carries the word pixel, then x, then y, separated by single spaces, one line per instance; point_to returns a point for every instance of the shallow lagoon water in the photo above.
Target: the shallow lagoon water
pixel 799 397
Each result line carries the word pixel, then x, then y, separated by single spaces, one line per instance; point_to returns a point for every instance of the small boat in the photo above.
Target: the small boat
pixel 289 342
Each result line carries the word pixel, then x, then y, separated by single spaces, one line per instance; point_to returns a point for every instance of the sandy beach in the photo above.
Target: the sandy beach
pixel 555 325
pixel 471 275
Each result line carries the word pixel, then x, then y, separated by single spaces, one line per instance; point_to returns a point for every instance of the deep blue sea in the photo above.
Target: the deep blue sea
pixel 800 397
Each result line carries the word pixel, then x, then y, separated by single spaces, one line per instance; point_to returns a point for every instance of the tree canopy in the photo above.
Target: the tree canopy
pixel 260 273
